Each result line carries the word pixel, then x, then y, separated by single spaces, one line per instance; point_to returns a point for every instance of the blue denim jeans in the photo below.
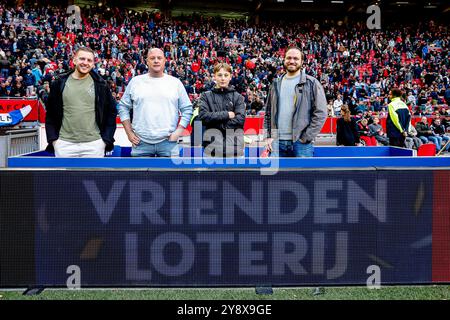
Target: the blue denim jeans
pixel 164 148
pixel 444 141
pixel 287 148
pixel 432 139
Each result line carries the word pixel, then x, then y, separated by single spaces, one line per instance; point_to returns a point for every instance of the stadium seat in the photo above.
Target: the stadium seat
pixel 427 150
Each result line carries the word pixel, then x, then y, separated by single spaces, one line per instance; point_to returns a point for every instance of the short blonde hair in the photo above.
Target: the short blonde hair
pixel 85 49
pixel 224 66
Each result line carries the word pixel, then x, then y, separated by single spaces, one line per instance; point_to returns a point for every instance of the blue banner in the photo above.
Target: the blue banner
pixel 232 228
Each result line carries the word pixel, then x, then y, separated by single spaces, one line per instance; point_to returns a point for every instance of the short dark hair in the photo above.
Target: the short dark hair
pixel 295 48
pixel 396 92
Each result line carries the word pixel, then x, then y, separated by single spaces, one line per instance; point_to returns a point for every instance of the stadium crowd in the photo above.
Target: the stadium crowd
pixel 356 66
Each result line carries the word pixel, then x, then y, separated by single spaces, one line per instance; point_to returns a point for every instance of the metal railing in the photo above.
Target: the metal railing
pixel 15 142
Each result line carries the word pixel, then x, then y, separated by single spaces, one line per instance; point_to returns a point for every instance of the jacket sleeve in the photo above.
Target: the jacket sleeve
pixel 268 115
pixel 361 130
pixel 239 110
pixel 110 119
pixel 373 130
pixel 318 114
pixel 125 104
pixel 51 116
pixel 355 131
pixel 207 116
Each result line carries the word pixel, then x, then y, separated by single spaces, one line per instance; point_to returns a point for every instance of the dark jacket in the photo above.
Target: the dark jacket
pixel 310 109
pixel 105 110
pixel 364 130
pixel 346 132
pixel 29 80
pixel 4 63
pixel 214 107
pixel 423 129
pixel 438 130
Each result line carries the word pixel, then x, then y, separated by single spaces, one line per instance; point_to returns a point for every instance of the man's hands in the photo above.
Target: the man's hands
pixel 133 138
pixel 231 114
pixel 269 144
pixel 176 134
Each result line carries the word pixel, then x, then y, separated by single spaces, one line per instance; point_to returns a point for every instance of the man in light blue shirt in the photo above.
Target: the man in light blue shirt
pixel 157 100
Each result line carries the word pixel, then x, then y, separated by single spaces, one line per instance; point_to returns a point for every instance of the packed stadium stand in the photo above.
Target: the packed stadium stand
pixel 356 65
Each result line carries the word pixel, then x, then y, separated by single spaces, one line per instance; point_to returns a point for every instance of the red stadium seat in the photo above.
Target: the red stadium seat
pixel 427 150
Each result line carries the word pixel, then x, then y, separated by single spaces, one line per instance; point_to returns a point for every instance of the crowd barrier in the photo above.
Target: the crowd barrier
pixel 17 142
pixel 24 138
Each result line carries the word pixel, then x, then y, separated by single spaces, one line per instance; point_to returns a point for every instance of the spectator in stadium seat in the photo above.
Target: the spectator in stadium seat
pixel 29 81
pixel 346 129
pixel 4 64
pixel 18 90
pixel 377 131
pixel 81 112
pixel 256 105
pixel 296 110
pixel 411 99
pixel 376 105
pixel 428 108
pixel 156 100
pixel 365 134
pixel 337 104
pixel 412 141
pixel 361 107
pixel 446 121
pixel 330 111
pixel 44 92
pixel 398 120
pixel 425 133
pixel 223 108
pixel 37 73
pixel 3 89
pixel 439 131
pixel 447 95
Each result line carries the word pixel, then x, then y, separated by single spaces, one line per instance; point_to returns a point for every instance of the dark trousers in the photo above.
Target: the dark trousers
pixel 397 141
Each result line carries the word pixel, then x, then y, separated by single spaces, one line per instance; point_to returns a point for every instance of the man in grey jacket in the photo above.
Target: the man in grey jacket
pixel 296 110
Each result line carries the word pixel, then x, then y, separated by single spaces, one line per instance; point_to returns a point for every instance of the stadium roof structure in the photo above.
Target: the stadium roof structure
pixel 395 9
pixel 282 5
pixel 302 5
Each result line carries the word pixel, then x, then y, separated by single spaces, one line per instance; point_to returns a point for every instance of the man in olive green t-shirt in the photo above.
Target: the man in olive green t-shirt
pixel 86 124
